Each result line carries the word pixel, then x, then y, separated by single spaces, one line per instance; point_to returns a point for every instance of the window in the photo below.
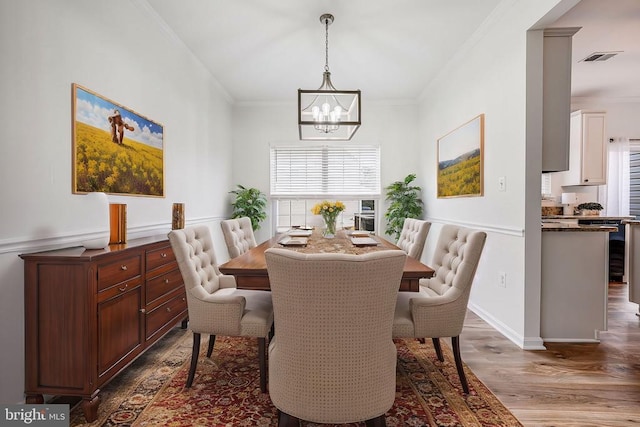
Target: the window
pixel 634 180
pixel 304 175
pixel 318 170
pixel 546 185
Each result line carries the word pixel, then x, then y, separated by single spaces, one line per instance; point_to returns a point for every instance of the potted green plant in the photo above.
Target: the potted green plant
pixel 249 202
pixel 404 202
pixel 589 208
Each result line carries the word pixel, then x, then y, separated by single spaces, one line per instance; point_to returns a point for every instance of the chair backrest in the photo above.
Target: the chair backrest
pixel 455 260
pixel 332 359
pixel 413 236
pixel 238 235
pixel 193 249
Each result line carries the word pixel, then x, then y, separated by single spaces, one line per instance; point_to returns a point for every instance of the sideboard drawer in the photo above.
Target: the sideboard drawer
pixel 115 291
pixel 160 316
pixel 158 257
pixel 160 285
pixel 119 271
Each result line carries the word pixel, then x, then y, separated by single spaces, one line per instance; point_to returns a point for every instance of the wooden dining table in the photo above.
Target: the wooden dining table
pixel 250 268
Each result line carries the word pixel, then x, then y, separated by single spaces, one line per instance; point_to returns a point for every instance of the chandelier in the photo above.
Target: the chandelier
pixel 328 113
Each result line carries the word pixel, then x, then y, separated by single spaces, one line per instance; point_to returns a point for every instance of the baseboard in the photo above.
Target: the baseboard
pixel 525 343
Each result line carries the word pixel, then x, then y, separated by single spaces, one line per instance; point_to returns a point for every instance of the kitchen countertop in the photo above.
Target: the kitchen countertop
pixel 563 226
pixel 587 217
pixel 631 221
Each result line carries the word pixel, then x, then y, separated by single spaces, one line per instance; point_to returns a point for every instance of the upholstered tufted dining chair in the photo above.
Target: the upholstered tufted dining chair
pixel 215 305
pixel 413 236
pixel 439 308
pixel 238 235
pixel 332 359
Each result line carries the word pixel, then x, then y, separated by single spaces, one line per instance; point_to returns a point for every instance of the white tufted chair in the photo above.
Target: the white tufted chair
pixel 332 359
pixel 413 236
pixel 439 309
pixel 238 235
pixel 215 306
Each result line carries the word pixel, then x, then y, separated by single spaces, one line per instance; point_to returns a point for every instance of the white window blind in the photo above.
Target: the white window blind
pixel 325 170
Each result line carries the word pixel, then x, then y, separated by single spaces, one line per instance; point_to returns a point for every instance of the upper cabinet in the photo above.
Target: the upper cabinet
pixel 556 98
pixel 588 160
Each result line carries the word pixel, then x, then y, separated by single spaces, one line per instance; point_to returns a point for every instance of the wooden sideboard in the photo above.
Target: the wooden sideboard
pixel 90 313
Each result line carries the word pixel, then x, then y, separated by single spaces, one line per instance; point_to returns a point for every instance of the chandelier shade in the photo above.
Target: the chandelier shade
pixel 327 113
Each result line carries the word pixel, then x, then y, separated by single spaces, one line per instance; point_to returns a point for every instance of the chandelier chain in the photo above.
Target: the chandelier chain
pixel 326 44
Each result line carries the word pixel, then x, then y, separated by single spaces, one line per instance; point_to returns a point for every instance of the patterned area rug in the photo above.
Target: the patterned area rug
pixel 226 390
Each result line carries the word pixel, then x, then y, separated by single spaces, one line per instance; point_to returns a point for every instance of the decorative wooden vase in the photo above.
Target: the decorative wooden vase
pixel 177 217
pixel 118 218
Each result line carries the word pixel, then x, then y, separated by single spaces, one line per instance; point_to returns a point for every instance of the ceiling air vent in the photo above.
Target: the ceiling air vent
pixel 599 56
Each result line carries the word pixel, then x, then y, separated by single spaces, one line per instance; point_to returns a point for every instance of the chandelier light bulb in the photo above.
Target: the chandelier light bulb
pixel 325 109
pixel 338 111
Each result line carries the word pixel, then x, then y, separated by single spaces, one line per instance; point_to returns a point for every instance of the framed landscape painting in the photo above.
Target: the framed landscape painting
pixel 115 150
pixel 460 160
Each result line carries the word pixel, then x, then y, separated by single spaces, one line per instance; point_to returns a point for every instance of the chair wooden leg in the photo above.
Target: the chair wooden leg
pixel 286 420
pixel 377 422
pixel 436 345
pixel 455 342
pixel 262 356
pixel 194 358
pixel 212 341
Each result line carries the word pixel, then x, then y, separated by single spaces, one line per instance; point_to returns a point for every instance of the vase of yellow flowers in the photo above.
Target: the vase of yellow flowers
pixel 329 212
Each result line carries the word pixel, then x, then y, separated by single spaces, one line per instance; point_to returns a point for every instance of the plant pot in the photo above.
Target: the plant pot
pixel 589 212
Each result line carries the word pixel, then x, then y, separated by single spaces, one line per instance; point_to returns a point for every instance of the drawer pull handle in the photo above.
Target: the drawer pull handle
pixel 123 267
pixel 143 311
pixel 163 255
pixel 168 309
pixel 123 288
pixel 166 281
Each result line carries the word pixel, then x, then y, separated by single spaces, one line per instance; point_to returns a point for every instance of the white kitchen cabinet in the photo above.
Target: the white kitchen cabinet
pixel 588 149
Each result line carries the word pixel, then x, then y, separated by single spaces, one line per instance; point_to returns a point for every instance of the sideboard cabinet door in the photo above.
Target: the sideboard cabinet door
pixel 58 355
pixel 119 330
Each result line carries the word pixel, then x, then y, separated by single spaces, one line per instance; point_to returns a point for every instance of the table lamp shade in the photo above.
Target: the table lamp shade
pixel 96 207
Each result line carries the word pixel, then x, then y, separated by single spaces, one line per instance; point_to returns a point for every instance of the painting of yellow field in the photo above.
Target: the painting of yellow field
pixel 460 168
pixel 115 150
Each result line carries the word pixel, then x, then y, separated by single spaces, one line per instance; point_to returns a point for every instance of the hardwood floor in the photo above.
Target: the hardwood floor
pixel 567 384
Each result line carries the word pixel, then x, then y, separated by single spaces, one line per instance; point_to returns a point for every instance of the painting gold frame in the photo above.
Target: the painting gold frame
pixel 115 149
pixel 460 160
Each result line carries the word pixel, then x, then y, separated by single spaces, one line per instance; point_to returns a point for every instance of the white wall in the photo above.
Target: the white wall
pixel 391 125
pixel 490 76
pixel 120 52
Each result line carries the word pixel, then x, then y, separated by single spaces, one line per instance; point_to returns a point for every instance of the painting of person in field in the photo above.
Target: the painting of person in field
pixel 115 150
pixel 118 126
